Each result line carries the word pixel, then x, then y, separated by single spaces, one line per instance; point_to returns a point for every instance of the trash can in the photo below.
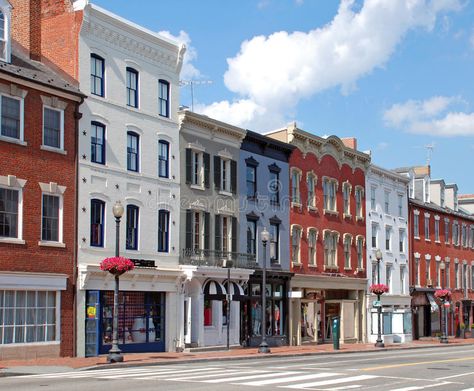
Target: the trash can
pixel 336 326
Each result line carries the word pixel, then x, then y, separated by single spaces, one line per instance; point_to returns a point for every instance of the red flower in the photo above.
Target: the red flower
pixel 116 265
pixel 443 294
pixel 378 289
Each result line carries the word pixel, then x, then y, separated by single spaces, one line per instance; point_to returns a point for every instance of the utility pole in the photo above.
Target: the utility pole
pixel 191 84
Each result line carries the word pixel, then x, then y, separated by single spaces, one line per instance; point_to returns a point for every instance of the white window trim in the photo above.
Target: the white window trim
pixel 312 204
pixel 296 260
pixel 298 172
pixel 312 263
pixel 337 235
pixel 348 186
pixel 200 182
pixel 21 139
pixel 61 135
pixel 361 190
pixel 53 189
pixel 347 236
pixel 11 182
pixel 334 181
pixel 225 164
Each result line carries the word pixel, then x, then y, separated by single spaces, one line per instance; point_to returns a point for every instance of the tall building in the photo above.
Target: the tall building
pixel 128 149
pixel 327 236
pixel 441 254
pixel 38 197
pixel 263 204
pixel 387 231
pixel 209 156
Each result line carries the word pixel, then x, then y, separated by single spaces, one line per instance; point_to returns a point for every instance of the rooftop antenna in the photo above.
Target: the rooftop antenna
pixel 429 152
pixel 192 83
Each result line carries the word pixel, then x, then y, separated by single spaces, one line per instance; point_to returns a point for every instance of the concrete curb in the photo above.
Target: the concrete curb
pixel 264 356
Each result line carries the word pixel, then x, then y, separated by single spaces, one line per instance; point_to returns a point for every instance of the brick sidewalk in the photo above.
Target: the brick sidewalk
pixel 139 359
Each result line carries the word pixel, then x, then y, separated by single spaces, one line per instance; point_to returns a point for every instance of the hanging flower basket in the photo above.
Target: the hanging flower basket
pixel 116 265
pixel 443 294
pixel 378 289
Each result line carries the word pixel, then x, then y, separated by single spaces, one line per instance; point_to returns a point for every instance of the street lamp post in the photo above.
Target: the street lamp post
pixel 263 348
pixel 115 354
pixel 379 343
pixel 444 323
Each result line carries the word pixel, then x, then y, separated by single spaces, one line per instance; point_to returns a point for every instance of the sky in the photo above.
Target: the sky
pixel 396 74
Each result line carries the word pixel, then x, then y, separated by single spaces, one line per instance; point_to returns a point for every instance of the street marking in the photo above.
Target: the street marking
pixel 289 379
pixel 331 381
pixel 212 374
pixel 409 364
pixel 158 374
pixel 240 378
pixel 458 375
pixel 419 387
pixel 93 373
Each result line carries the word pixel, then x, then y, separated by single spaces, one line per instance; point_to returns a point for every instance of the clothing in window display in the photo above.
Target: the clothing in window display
pixel 256 318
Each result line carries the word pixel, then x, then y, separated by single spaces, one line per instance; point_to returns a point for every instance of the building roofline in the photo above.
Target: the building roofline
pixel 436 208
pixel 383 171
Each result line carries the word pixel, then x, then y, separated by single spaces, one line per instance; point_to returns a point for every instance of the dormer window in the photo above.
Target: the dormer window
pixel 5 31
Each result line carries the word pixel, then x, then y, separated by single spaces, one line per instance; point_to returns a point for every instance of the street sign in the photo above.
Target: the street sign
pixel 376 304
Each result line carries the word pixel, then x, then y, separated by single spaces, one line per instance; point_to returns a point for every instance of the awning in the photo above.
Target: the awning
pixel 235 290
pixel 433 304
pixel 213 288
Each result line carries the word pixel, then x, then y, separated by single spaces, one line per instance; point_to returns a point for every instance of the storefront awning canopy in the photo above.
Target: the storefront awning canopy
pixel 235 290
pixel 213 288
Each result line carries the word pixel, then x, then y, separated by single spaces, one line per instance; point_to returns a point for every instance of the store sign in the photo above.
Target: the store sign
pixel 377 304
pixel 143 263
pixel 295 294
pixel 91 312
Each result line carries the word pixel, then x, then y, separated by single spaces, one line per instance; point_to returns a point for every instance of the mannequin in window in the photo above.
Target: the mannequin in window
pixel 256 318
pixel 276 318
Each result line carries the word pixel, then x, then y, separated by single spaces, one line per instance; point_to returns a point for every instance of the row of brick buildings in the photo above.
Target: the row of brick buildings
pixel 89 116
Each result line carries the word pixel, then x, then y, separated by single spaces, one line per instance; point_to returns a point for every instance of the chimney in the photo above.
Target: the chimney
pixel 350 142
pixel 26 26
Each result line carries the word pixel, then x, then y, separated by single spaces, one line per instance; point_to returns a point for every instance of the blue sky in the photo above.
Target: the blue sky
pixel 396 74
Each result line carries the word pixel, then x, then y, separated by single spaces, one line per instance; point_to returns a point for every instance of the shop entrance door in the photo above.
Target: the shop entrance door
pixel 331 310
pixel 310 321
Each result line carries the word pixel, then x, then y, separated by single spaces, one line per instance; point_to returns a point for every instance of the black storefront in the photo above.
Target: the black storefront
pixel 276 327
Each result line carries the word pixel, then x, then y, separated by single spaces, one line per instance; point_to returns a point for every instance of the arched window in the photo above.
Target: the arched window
pixel 132 151
pixel 97 223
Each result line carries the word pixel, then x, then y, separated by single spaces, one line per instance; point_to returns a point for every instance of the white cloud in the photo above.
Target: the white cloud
pixel 275 72
pixel 188 71
pixel 431 117
pixel 382 146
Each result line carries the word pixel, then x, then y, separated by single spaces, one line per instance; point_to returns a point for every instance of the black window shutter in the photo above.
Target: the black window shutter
pixel 189 165
pixel 234 234
pixel 207 167
pixel 233 176
pixel 189 228
pixel 217 172
pixel 217 232
pixel 206 230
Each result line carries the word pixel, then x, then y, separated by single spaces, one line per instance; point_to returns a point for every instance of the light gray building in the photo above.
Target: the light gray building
pixel 209 221
pixel 264 203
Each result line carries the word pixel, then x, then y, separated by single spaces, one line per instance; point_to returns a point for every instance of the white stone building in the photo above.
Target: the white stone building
pixel 128 152
pixel 387 230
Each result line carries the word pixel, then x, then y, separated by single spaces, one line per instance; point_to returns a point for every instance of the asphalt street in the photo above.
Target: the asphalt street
pixel 437 369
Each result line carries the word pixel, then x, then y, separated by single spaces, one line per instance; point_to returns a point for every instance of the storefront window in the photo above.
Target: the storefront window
pixel 207 312
pixel 225 304
pixel 256 318
pixel 387 323
pixel 141 317
pixel 274 311
pixel 407 323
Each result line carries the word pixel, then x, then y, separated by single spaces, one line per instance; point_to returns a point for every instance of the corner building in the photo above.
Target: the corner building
pixel 327 237
pixel 128 151
pixel 38 197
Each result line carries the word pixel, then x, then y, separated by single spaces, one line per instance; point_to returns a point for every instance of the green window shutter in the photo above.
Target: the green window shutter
pixel 189 166
pixel 207 168
pixel 189 228
pixel 234 234
pixel 217 232
pixel 233 176
pixel 217 172
pixel 206 230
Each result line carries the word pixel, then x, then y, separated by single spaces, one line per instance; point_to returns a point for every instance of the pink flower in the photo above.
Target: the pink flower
pixel 378 289
pixel 443 294
pixel 116 265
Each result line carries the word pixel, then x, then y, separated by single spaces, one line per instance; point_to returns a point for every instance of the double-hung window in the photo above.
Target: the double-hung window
pixel 163 98
pixel 251 237
pixel 330 249
pixel 9 213
pixel 274 242
pixel 347 251
pixel 374 235
pixel 388 238
pixel 346 191
pixel 163 230
pixel 416 225
pixel 295 186
pixel 132 227
pixel 329 192
pixel 387 202
pixel 53 128
pixel 373 191
pixel 401 240
pixel 197 168
pixel 400 205
pixel 310 184
pixel 360 252
pixel 274 187
pixel 12 117
pixel 225 175
pixel 251 175
pixel 51 219
pixel 163 158
pixel 312 235
pixel 358 197
pixel 132 87
pixel 97 223
pixel 436 229
pixel 97 143
pixel 446 231
pixel 427 227
pixel 132 151
pixel 97 75
pixel 296 244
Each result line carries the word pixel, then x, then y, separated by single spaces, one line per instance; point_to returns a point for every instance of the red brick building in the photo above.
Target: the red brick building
pixel 441 254
pixel 38 137
pixel 327 217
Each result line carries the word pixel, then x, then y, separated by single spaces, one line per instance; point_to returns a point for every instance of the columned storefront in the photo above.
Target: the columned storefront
pixel 426 314
pixel 276 327
pixel 314 302
pixel 206 301
pixel 150 301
